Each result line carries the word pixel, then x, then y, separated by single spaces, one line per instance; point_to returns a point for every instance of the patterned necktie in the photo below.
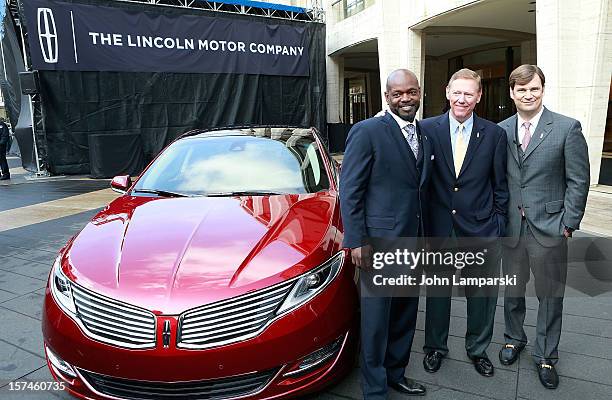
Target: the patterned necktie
pixel 460 150
pixel 527 137
pixel 412 138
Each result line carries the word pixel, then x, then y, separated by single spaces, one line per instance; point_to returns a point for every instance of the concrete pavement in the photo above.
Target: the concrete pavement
pixel 37 218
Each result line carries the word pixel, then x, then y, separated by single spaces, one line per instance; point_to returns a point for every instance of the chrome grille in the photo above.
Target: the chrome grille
pixel 114 322
pixel 232 320
pixel 230 387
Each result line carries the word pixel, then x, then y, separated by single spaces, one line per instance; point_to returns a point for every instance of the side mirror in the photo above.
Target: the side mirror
pixel 121 183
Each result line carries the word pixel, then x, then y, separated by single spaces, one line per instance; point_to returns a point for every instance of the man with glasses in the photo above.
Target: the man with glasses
pixel 468 199
pixel 548 178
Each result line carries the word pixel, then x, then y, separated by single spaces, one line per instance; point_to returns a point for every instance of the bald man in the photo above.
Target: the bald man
pixel 382 187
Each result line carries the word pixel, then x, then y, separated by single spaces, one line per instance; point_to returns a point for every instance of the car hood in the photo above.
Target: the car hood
pixel 172 254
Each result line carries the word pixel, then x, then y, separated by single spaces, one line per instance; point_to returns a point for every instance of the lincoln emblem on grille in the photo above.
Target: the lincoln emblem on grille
pixel 166 334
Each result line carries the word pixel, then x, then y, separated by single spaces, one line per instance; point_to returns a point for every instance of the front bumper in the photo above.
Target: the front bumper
pixel 272 357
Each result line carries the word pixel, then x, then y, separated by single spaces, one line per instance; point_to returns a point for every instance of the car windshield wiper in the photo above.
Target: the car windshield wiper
pixel 164 193
pixel 242 193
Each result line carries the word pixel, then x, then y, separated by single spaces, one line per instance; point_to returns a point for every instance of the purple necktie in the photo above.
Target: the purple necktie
pixel 527 137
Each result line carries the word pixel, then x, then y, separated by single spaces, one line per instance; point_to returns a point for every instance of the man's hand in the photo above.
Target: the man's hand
pixel 567 232
pixel 362 257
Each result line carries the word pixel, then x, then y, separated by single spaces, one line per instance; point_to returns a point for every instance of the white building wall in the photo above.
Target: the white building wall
pixel 335 89
pixel 389 22
pixel 574 49
pixel 574 41
pixel 343 33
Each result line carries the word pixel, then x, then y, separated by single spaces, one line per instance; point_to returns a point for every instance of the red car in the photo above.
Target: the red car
pixel 219 274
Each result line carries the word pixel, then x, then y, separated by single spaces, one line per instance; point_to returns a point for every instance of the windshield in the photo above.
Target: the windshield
pixel 240 164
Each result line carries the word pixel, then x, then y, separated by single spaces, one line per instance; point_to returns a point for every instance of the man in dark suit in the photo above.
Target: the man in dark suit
pixel 383 181
pixel 4 140
pixel 469 197
pixel 548 177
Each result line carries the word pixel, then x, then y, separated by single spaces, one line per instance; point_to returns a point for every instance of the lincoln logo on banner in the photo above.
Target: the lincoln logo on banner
pixel 86 37
pixel 47 35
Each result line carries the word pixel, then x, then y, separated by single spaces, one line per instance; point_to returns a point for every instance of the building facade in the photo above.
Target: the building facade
pixel 571 40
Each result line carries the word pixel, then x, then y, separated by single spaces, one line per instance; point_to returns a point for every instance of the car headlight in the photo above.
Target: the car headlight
pixel 312 283
pixel 61 288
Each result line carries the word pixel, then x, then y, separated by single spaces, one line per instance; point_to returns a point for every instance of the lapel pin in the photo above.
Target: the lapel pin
pixel 477 135
pixel 432 157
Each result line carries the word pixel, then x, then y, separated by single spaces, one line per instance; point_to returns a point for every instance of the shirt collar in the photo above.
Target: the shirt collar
pixel 467 124
pixel 534 121
pixel 401 122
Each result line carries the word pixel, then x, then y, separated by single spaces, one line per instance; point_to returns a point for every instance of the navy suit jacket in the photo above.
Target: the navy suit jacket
pixel 474 203
pixel 382 192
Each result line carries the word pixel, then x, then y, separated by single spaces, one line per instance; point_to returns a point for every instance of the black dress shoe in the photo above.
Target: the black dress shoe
pixel 483 366
pixel 548 376
pixel 509 354
pixel 5 178
pixel 409 387
pixel 432 361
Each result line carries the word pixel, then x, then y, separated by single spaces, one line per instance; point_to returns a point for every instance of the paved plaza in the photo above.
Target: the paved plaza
pixel 37 217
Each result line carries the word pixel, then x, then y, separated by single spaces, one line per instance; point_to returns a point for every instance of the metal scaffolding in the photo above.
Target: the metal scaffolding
pixel 269 10
pixel 36 109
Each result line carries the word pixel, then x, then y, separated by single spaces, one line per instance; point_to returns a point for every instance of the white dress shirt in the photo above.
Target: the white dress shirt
pixel 403 124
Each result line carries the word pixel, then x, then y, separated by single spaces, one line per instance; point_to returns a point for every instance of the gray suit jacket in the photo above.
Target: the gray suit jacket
pixel 551 181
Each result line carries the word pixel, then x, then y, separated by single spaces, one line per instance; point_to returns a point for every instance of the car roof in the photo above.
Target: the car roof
pixel 273 132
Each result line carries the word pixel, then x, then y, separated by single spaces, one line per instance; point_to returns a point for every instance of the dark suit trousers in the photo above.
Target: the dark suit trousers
pixel 387 330
pixel 481 304
pixel 3 163
pixel 549 268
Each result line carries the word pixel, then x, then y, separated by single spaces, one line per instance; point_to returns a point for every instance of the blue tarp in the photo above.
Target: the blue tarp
pixel 261 4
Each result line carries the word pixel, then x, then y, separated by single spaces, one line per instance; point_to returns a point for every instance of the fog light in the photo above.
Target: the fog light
pixel 60 364
pixel 317 358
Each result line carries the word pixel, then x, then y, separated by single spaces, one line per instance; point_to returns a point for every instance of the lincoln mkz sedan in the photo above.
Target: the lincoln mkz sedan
pixel 218 274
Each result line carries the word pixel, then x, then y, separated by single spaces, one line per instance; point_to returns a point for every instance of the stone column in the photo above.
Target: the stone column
pixel 399 46
pixel 390 54
pixel 335 89
pixel 574 49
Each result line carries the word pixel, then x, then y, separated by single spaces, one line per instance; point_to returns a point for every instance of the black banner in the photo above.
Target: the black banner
pixel 78 37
